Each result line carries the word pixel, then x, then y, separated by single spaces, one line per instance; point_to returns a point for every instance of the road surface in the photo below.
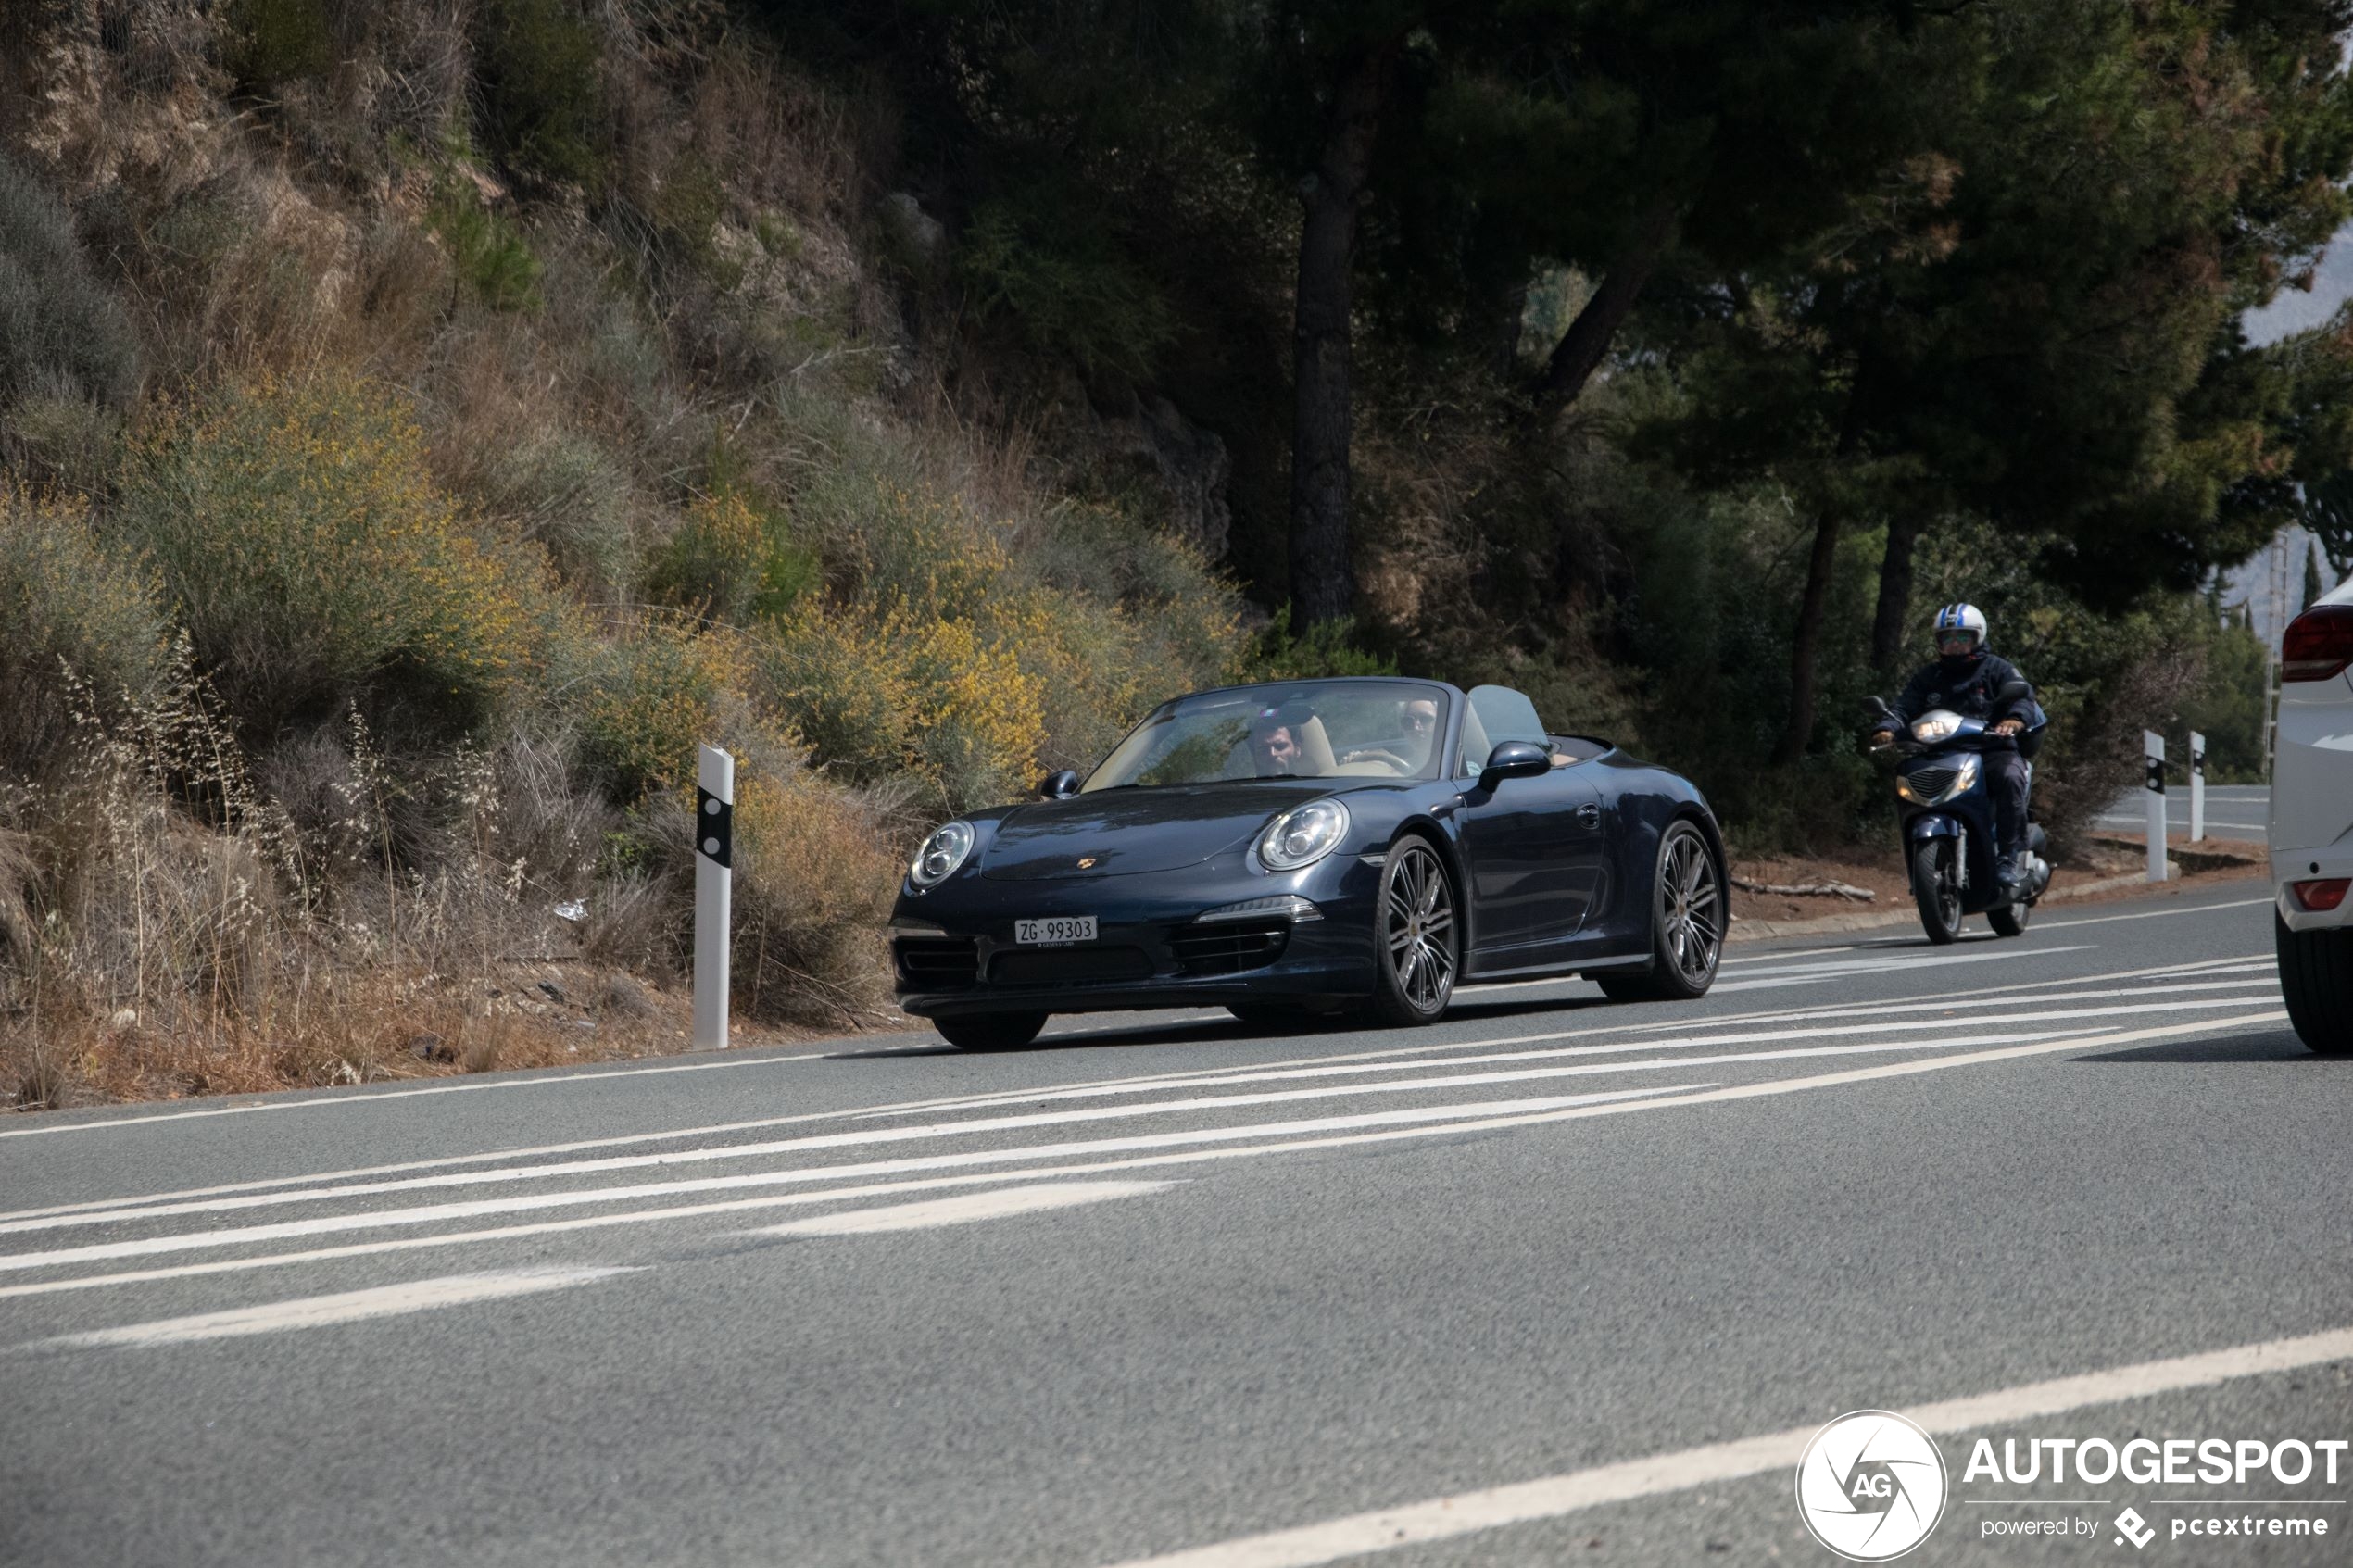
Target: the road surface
pixel 1179 1286
pixel 2231 811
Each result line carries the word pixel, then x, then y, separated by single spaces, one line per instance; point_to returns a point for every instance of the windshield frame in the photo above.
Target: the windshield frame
pixel 1404 687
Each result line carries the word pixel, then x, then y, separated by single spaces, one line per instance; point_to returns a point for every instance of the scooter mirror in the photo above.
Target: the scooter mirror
pixel 2013 691
pixel 1873 707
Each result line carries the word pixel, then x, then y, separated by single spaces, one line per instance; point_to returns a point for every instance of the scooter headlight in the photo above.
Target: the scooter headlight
pixel 1935 726
pixel 1930 787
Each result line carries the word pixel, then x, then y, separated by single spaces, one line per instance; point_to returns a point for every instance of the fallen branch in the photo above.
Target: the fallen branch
pixel 1808 889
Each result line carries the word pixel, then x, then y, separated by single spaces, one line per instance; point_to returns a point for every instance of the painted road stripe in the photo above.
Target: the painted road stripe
pixel 1475 1115
pixel 318 1103
pixel 1465 1513
pixel 319 1311
pixel 1703 1095
pixel 1170 1080
pixel 1199 1105
pixel 1940 1024
pixel 962 1209
pixel 2151 914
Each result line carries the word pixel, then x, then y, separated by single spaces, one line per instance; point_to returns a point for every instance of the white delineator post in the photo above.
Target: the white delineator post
pixel 714 877
pixel 2197 786
pixel 2153 754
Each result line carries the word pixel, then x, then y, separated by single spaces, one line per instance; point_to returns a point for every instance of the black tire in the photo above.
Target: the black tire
pixel 2010 919
pixel 1417 937
pixel 2316 976
pixel 1936 888
pixel 1686 925
pixel 992 1031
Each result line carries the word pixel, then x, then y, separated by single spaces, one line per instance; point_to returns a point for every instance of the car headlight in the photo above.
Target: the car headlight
pixel 1303 835
pixel 941 853
pixel 1930 728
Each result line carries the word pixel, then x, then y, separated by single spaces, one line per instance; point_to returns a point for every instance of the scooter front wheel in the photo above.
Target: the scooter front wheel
pixel 1936 888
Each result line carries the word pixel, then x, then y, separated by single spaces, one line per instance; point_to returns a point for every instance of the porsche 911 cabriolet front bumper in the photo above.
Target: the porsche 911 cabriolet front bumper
pixel 1303 938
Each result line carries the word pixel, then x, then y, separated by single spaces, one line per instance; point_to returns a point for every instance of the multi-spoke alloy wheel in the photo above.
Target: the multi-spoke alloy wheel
pixel 1419 936
pixel 1686 925
pixel 1691 911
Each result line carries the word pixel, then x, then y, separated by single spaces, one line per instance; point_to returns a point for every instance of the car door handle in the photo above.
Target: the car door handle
pixel 1588 815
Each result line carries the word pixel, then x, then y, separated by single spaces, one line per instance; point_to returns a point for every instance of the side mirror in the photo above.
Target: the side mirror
pixel 1874 708
pixel 1513 760
pixel 1058 786
pixel 2013 691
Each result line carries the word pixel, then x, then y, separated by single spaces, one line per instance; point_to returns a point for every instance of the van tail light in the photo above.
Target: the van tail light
pixel 2325 894
pixel 2319 644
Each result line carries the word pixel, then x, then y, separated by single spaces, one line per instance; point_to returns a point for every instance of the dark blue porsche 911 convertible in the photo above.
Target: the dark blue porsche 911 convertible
pixel 1313 846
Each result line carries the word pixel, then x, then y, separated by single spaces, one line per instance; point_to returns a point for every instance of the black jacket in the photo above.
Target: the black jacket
pixel 1970 696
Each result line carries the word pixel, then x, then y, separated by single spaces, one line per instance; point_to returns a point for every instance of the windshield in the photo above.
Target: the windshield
pixel 1292 729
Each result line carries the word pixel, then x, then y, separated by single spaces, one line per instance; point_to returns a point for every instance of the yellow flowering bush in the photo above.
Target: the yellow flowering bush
pixel 649 697
pixel 815 873
pixel 313 560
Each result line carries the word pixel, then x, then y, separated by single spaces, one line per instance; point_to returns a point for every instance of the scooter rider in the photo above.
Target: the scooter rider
pixel 1963 678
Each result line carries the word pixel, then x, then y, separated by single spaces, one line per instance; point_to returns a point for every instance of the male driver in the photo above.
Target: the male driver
pixel 1964 679
pixel 1276 743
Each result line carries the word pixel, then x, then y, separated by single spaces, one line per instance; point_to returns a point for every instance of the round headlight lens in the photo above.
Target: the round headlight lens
pixel 1303 835
pixel 941 853
pixel 1930 728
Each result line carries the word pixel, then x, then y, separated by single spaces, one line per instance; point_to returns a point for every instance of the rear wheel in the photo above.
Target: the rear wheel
pixel 2316 976
pixel 990 1030
pixel 1418 938
pixel 1687 925
pixel 1936 888
pixel 2010 919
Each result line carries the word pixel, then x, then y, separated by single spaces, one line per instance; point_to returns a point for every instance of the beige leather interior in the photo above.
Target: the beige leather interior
pixel 1316 760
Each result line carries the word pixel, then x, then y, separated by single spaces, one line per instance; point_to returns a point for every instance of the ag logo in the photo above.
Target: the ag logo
pixel 1871 1485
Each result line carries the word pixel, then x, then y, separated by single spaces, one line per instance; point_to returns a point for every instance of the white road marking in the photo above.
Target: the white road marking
pixel 1470 1115
pixel 317 1311
pixel 539 1080
pixel 1169 1079
pixel 1467 1512
pixel 1945 1029
pixel 1698 1094
pixel 962 1209
pixel 2150 915
pixel 1942 1025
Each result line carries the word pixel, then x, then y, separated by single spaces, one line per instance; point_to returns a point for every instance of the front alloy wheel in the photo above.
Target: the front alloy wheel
pixel 1417 934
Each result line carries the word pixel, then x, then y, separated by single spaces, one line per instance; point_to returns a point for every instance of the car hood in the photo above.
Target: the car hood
pixel 1122 831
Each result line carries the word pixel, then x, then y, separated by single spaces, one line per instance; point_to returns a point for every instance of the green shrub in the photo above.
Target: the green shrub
pixel 271 42
pixel 542 108
pixel 315 563
pixel 489 250
pixel 648 697
pixel 565 491
pixel 63 336
pixel 1044 260
pixel 732 559
pixel 69 599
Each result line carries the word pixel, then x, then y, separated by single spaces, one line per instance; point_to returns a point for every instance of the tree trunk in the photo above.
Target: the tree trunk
pixel 1895 591
pixel 1322 584
pixel 1579 354
pixel 1807 649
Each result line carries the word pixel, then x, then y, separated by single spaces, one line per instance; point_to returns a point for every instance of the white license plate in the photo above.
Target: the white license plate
pixel 1054 933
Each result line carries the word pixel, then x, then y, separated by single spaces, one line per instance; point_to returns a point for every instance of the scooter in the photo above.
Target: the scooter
pixel 1948 817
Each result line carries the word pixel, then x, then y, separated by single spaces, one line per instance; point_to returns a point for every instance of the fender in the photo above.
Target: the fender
pixel 1934 824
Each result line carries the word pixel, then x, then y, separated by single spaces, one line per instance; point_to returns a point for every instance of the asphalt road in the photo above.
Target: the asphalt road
pixel 1257 1297
pixel 2231 811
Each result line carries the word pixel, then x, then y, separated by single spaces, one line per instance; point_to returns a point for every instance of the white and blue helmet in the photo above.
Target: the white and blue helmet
pixel 1961 617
